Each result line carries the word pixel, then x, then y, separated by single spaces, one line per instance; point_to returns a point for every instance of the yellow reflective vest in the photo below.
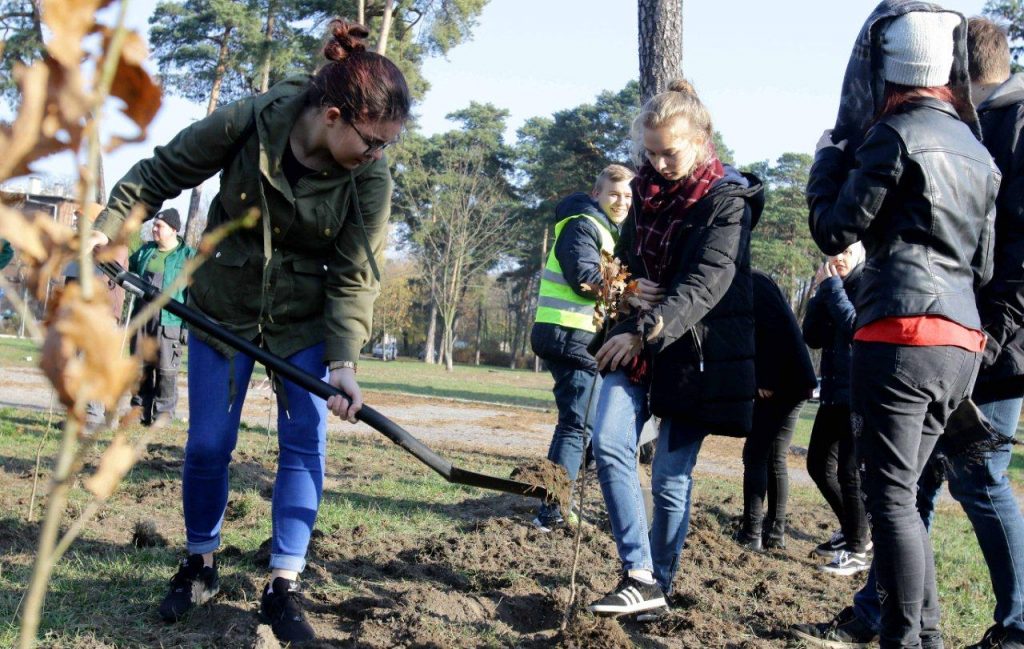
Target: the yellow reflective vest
pixel 558 303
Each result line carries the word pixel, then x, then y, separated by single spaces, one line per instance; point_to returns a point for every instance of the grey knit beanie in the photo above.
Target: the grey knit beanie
pixel 917 48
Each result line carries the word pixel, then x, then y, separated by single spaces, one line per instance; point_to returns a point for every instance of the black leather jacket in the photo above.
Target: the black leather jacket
pixel 921 197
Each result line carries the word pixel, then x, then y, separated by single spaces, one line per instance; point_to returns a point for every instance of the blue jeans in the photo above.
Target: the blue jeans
pixel 621 413
pixel 575 390
pixel 984 492
pixel 214 415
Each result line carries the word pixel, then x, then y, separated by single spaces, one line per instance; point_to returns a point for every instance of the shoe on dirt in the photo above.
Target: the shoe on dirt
pixel 847 563
pixel 281 608
pixel 835 543
pixel 193 585
pixel 845 630
pixel 653 615
pixel 630 596
pixel 773 544
pixel 997 637
pixel 547 524
pixel 750 542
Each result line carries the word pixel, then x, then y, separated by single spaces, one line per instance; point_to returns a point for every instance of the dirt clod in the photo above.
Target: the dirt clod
pixel 265 638
pixel 146 535
pixel 586 632
pixel 548 475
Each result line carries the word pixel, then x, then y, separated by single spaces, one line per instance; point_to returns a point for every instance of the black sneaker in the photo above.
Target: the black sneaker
pixel 193 585
pixel 630 596
pixel 847 563
pixel 280 607
pixel 845 630
pixel 653 615
pixel 999 638
pixel 835 543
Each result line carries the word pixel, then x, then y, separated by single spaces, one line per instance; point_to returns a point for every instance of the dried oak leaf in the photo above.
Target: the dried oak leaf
pixel 70 21
pixel 46 246
pixel 133 85
pixel 81 353
pixel 115 462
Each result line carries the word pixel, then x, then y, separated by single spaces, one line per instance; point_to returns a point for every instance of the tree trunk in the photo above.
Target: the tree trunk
pixel 543 263
pixel 385 27
pixel 361 16
pixel 267 41
pixel 479 330
pixel 661 45
pixel 193 226
pixel 428 347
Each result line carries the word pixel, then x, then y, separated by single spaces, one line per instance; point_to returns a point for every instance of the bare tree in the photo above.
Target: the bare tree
pixel 661 44
pixel 468 232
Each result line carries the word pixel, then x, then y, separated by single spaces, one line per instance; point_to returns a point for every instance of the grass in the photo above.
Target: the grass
pixel 371 490
pixel 14 351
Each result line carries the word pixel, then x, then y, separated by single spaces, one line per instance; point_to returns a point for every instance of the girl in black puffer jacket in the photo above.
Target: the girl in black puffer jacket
pixel 689 358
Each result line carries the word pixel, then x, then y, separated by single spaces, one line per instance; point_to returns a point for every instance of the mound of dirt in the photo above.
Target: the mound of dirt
pixel 146 535
pixel 593 633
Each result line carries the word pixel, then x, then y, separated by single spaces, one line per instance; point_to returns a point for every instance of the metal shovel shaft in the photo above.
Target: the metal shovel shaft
pixel 371 417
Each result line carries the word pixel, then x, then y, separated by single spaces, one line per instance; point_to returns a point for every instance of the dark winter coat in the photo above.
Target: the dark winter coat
pixel 703 355
pixel 922 200
pixel 828 326
pixel 578 250
pixel 1001 301
pixel 781 361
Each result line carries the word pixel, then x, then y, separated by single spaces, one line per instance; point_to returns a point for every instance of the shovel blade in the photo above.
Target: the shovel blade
pixel 473 479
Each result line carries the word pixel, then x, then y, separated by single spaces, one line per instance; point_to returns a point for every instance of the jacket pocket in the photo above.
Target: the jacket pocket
pixel 328 221
pixel 228 286
pixel 308 294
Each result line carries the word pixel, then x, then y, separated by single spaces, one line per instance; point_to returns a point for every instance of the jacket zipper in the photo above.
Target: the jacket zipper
pixel 698 346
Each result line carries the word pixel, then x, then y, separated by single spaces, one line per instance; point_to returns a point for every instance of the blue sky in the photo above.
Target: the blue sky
pixel 770 72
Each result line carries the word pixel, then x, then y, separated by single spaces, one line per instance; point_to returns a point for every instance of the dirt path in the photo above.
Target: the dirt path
pixel 446 423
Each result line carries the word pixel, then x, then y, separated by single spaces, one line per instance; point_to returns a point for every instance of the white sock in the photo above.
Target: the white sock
pixel 643 576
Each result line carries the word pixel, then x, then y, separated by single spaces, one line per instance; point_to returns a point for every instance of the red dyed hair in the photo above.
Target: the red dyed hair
pixel 363 85
pixel 896 96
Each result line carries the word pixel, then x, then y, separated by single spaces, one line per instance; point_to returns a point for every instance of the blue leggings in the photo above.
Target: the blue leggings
pixel 213 431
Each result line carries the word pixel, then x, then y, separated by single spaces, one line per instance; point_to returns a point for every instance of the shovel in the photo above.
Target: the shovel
pixel 143 289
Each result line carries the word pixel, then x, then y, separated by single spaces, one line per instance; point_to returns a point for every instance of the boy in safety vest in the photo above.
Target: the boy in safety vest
pixel 564 323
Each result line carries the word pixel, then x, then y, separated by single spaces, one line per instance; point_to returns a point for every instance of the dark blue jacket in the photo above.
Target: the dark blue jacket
pixel 1001 301
pixel 578 251
pixel 829 326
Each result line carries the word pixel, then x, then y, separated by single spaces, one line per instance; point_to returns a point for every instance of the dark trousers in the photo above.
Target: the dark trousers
pixel 158 390
pixel 904 396
pixel 833 464
pixel 765 471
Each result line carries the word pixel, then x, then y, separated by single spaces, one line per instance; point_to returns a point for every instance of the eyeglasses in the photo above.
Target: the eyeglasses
pixel 373 145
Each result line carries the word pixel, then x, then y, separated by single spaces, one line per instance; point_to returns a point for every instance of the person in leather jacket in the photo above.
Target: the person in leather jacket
pixel 920 195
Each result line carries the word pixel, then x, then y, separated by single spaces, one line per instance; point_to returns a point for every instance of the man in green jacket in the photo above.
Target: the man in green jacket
pixel 160 262
pixel 6 253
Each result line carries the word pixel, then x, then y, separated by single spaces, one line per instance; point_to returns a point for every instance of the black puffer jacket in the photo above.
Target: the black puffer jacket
pixel 703 356
pixel 781 361
pixel 1001 301
pixel 828 326
pixel 922 199
pixel 578 251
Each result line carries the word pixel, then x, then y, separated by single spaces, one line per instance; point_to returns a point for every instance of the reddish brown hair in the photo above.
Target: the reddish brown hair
pixel 896 96
pixel 363 85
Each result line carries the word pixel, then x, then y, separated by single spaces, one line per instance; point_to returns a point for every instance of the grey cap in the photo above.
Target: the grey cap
pixel 917 48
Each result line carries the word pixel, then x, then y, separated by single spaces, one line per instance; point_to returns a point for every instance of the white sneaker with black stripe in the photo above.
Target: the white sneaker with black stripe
pixel 630 596
pixel 847 563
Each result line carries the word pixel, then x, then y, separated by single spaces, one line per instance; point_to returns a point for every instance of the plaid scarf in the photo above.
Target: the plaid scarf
pixel 663 206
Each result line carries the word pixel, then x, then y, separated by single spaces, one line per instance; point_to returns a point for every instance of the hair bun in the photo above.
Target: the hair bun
pixel 683 86
pixel 344 39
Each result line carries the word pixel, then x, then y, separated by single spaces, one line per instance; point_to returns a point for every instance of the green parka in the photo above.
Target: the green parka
pixel 319 284
pixel 175 261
